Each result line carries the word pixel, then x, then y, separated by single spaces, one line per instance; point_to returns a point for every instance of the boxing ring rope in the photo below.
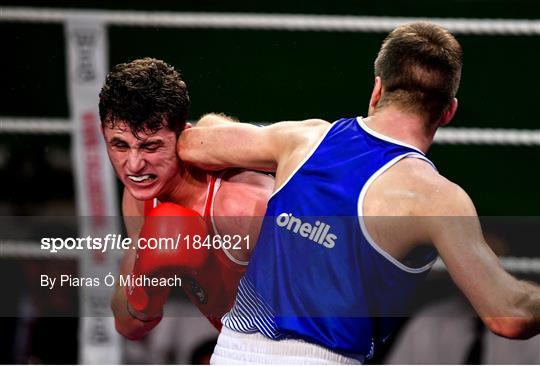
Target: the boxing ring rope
pixel 521 265
pixel 321 23
pixel 263 22
pixel 287 22
pixel 446 135
pixel 31 250
pixel 35 126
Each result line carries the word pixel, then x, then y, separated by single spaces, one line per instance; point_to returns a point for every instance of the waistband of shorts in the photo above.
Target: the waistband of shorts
pixel 236 347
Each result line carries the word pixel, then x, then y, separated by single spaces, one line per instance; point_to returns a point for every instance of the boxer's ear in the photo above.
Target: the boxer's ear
pixel 187 126
pixel 449 113
pixel 376 94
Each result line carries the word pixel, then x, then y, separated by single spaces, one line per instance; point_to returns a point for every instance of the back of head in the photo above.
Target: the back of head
pixel 420 68
pixel 147 94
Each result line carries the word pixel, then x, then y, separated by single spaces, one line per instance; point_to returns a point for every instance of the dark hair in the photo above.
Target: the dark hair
pixel 420 68
pixel 147 94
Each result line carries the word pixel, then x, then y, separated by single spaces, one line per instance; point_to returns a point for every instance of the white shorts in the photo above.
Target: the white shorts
pixel 254 348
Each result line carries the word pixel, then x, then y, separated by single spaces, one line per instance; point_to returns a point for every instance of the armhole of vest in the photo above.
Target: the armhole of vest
pixel 217 185
pixel 363 227
pixel 301 164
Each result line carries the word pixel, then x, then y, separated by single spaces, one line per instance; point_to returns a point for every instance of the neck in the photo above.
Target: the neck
pixel 405 127
pixel 188 188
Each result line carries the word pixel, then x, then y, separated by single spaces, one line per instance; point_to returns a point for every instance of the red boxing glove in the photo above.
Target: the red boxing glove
pixel 167 220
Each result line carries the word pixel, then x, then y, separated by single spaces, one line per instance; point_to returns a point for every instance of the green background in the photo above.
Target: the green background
pixel 266 76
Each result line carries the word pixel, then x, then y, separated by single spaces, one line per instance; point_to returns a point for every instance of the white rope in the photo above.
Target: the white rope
pixel 446 135
pixel 487 136
pixel 511 264
pixel 288 22
pixel 34 126
pixel 32 250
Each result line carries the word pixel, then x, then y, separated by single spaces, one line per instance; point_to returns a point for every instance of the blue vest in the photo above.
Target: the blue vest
pixel 316 274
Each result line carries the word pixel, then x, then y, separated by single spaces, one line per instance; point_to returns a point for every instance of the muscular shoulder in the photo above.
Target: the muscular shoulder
pixel 241 204
pixel 315 123
pixel 413 188
pixel 243 193
pixel 303 132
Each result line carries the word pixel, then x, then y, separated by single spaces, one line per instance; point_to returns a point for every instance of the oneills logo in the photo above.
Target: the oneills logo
pixel 318 233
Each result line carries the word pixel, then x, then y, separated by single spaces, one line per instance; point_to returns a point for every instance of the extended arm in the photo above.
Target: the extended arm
pixel 509 307
pixel 216 145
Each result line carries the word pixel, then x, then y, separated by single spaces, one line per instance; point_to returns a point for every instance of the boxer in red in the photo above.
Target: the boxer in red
pixel 143 109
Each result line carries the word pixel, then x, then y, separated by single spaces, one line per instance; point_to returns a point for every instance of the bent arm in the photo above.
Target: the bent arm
pixel 125 323
pixel 509 307
pixel 216 145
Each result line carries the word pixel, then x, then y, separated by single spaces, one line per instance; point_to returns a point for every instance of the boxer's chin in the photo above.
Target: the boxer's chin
pixel 143 192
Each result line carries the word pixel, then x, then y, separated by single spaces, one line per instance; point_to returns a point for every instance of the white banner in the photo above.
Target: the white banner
pixel 87 60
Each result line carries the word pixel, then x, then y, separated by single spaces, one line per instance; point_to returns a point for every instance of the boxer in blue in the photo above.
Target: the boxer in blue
pixel 357 218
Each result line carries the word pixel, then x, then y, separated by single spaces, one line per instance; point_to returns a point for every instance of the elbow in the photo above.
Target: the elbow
pixel 513 327
pixel 127 330
pixel 126 325
pixel 131 328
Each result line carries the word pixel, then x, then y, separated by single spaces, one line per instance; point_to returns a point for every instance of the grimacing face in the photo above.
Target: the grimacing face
pixel 148 167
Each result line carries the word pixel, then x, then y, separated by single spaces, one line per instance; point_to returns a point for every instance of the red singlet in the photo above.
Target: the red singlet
pixel 213 289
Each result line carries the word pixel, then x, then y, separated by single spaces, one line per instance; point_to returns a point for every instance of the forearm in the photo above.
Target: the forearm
pixel 220 146
pixel 203 159
pixel 509 307
pixel 223 144
pixel 529 303
pixel 126 324
pixel 130 324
